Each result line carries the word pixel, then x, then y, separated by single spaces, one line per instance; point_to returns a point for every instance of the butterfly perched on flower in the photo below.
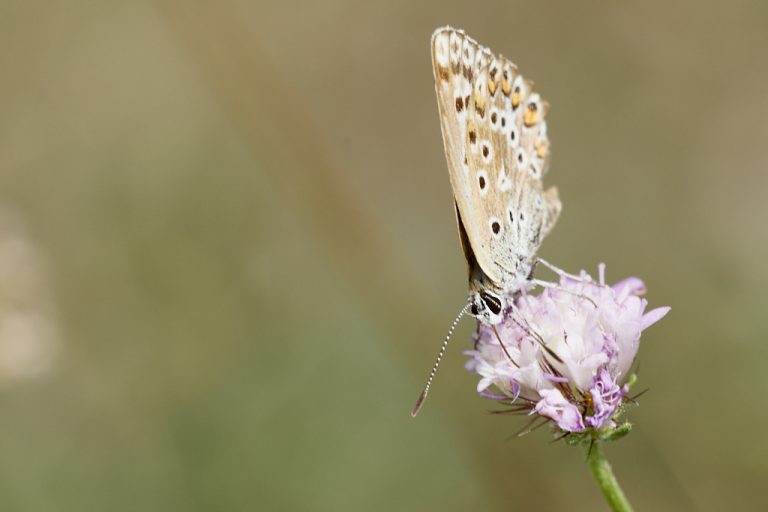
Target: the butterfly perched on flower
pixel 497 149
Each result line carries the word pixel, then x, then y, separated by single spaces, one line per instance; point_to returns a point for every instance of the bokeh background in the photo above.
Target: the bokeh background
pixel 229 255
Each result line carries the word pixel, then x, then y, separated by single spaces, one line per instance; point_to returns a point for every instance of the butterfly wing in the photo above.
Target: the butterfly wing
pixel 456 60
pixel 497 150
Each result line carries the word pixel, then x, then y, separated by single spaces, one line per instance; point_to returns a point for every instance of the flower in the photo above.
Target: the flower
pixel 606 398
pixel 554 405
pixel 566 353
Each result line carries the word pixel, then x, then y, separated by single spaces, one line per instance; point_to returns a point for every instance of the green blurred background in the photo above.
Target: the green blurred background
pixel 242 253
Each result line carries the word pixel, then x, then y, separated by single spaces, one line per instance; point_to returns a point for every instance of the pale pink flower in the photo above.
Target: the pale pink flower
pixel 566 351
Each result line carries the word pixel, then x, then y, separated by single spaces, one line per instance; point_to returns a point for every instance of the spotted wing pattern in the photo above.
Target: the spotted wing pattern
pixel 497 150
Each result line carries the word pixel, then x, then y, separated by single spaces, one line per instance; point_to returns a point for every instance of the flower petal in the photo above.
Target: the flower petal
pixel 635 286
pixel 653 316
pixel 554 405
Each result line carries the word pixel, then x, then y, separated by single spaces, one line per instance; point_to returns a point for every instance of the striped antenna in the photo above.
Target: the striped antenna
pixel 423 395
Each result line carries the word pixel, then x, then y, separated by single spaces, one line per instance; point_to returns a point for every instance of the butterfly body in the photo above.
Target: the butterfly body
pixel 497 151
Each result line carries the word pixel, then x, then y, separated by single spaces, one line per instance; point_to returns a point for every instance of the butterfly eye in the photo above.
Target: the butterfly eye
pixel 474 310
pixel 493 303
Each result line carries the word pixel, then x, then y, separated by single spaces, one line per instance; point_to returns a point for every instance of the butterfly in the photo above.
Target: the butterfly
pixel 497 149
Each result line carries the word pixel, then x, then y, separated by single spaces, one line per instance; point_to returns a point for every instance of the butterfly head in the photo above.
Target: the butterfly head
pixel 487 306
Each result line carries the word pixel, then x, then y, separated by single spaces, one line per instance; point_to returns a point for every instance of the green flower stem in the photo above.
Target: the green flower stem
pixel 603 474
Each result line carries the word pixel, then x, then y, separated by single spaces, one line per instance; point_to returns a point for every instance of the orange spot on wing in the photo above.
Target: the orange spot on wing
pixel 479 102
pixel 506 87
pixel 531 117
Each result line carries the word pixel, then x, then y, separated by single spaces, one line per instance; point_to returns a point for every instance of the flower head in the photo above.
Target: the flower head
pixel 566 353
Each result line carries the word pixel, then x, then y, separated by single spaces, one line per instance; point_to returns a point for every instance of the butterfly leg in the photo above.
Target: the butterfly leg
pixel 504 347
pixel 561 272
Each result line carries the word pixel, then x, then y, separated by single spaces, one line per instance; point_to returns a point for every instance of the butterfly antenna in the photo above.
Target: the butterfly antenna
pixel 423 395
